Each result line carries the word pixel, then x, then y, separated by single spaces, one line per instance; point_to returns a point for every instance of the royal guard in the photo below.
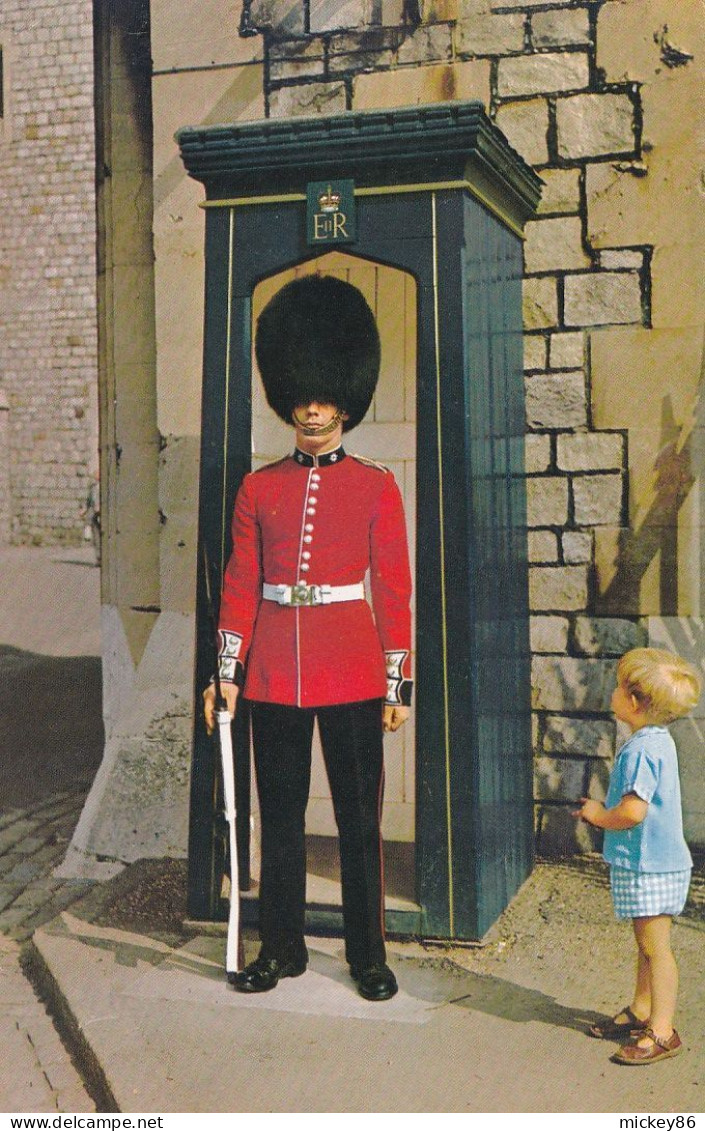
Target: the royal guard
pixel 297 637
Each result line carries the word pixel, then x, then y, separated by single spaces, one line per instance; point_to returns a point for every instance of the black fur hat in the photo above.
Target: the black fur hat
pixel 317 340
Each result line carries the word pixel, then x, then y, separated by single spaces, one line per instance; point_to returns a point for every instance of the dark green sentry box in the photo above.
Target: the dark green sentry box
pixel 439 193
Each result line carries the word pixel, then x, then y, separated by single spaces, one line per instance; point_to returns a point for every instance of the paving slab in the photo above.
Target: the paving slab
pixel 493 1029
pixel 36 1074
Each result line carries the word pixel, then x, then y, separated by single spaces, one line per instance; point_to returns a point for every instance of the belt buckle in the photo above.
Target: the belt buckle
pixel 306 595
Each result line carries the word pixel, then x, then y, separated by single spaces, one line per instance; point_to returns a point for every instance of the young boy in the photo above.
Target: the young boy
pixel 650 864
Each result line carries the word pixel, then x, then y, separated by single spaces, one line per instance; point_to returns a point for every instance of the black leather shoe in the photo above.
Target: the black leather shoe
pixel 376 983
pixel 263 974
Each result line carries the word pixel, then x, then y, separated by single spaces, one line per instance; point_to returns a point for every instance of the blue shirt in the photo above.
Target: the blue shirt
pixel 647 765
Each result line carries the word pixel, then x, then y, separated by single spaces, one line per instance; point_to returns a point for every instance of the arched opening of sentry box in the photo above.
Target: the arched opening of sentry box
pixel 387 435
pixel 433 203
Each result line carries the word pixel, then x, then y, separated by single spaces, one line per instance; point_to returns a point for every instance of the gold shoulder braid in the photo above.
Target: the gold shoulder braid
pixel 370 462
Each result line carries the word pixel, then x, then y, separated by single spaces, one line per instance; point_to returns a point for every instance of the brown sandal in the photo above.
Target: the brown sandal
pixel 611 1029
pixel 660 1049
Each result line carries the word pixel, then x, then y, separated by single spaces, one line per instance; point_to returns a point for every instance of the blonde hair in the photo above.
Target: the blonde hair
pixel 664 685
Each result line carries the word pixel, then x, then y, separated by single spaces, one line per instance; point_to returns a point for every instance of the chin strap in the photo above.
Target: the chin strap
pixel 319 429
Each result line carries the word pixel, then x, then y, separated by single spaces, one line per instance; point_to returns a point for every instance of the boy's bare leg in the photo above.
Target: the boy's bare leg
pixel 641 1003
pixel 653 937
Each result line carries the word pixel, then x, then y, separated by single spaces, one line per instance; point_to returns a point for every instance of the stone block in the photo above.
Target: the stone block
pixel 540 303
pixel 547 500
pixel 569 779
pixel 390 13
pixel 295 68
pixel 280 17
pixel 359 61
pixel 284 49
pixel 525 125
pixel 597 499
pixel 204 35
pixel 556 400
pixel 486 34
pixel 534 351
pixel 537 452
pixel 558 833
pixel 409 86
pixel 560 28
pixel 566 683
pixel 542 74
pixel 630 366
pixel 603 298
pixel 633 41
pixel 591 451
pixel 334 15
pixel 509 4
pixel 372 40
pixel 608 636
pixel 436 11
pixel 594 125
pixel 612 258
pixel 554 245
pixel 560 191
pixel 427 44
pixel 543 546
pixel 633 205
pixel 558 588
pixel 577 547
pixel 549 634
pixel 314 98
pixel 591 737
pixel 566 351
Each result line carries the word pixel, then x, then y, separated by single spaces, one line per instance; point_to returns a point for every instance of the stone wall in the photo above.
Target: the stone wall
pixel 48 380
pixel 592 95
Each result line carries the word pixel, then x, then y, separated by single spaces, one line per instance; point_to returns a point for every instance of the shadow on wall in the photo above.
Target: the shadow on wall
pixel 51 725
pixel 577 690
pixel 657 533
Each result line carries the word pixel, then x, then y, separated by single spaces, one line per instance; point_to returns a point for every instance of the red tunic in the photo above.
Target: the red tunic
pixel 324 520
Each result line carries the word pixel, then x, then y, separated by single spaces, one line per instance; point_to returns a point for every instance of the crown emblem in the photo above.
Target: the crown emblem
pixel 329 201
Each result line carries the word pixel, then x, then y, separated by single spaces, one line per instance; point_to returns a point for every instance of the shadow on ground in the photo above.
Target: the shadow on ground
pixel 149 901
pixel 51 725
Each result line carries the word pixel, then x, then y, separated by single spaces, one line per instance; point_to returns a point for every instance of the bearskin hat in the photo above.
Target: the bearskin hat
pixel 317 340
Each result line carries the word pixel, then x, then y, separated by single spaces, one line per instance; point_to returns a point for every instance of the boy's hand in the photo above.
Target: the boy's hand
pixel 230 693
pixel 591 811
pixel 394 717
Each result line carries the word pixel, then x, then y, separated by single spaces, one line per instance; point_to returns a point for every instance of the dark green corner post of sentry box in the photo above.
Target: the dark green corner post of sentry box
pixel 435 191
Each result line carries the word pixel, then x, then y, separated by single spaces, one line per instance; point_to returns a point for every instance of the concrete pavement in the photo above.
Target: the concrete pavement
pixel 49 671
pixel 493 1029
pixel 140 999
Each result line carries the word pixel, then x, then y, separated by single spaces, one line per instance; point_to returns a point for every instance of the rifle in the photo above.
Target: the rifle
pixel 234 960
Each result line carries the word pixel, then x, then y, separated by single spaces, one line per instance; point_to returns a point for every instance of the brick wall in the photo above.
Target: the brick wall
pixel 47 276
pixel 589 93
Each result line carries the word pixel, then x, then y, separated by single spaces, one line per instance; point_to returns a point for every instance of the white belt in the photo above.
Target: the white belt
pixel 312 594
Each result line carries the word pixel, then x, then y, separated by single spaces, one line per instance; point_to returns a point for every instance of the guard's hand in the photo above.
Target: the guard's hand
pixel 230 693
pixel 394 717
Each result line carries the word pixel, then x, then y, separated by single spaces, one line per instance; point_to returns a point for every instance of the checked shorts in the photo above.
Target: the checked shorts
pixel 637 895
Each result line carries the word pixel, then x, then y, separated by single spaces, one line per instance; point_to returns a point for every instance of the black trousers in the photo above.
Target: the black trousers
pixel 351 737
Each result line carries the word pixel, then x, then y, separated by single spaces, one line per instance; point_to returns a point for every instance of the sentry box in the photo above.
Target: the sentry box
pixel 423 209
